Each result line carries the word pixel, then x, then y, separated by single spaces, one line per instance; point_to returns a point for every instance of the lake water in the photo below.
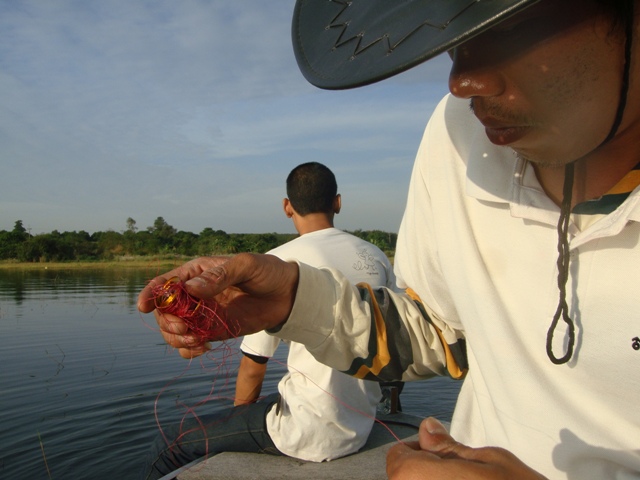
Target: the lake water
pixel 85 378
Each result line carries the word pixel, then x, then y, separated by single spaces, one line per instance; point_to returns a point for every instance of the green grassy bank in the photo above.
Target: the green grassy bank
pixel 158 263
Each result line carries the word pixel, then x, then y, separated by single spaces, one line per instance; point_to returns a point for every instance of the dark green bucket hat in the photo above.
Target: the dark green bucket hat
pixel 349 43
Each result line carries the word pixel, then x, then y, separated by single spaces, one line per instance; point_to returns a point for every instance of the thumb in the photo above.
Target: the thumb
pixel 253 273
pixel 434 437
pixel 226 272
pixel 256 289
pixel 209 283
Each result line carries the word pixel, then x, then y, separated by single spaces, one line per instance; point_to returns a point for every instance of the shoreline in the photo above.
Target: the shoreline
pixel 139 263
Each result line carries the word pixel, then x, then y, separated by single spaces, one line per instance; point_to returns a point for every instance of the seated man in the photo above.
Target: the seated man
pixel 320 413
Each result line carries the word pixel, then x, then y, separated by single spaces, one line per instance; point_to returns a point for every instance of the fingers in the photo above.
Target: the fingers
pixel 253 292
pixel 210 282
pixel 194 352
pixel 402 449
pixel 176 333
pixel 433 436
pixel 406 461
pixel 411 460
pixel 255 274
pixel 170 325
pixel 174 330
pixel 257 290
pixel 449 459
pixel 146 300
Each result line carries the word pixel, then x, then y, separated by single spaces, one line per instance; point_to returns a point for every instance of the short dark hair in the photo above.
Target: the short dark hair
pixel 312 188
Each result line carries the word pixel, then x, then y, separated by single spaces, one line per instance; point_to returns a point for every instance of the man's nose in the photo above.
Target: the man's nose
pixel 471 77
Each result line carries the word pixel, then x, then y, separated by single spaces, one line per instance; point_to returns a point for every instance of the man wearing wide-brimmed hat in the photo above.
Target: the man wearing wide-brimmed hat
pixel 519 246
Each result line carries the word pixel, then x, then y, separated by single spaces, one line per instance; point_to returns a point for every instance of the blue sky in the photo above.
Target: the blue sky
pixel 191 110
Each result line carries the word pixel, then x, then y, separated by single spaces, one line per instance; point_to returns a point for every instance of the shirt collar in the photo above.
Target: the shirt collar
pixel 494 174
pixel 613 198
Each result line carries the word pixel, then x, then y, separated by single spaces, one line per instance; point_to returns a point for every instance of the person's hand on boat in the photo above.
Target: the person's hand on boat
pixel 436 455
pixel 255 292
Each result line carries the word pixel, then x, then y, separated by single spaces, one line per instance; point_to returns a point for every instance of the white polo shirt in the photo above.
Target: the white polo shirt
pixel 324 414
pixel 478 243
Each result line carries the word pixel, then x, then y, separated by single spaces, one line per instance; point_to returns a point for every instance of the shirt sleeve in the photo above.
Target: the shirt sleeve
pixel 260 344
pixel 371 333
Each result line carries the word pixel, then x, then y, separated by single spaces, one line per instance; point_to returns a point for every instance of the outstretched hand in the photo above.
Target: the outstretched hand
pixel 436 455
pixel 255 292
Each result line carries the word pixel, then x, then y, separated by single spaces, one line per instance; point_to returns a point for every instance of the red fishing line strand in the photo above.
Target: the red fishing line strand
pixel 206 320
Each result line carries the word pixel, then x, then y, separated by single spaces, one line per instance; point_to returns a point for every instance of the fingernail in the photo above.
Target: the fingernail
pixel 190 341
pixel 434 427
pixel 216 273
pixel 196 282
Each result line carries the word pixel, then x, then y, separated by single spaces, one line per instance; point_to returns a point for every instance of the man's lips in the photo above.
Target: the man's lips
pixel 505 135
pixel 500 133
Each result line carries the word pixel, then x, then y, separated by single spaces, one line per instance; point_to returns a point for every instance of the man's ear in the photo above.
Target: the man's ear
pixel 286 206
pixel 337 204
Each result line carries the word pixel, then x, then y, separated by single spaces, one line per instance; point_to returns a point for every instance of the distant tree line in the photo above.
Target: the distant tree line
pixel 158 239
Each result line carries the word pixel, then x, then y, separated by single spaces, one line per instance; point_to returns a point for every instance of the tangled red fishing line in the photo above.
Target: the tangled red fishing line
pixel 206 320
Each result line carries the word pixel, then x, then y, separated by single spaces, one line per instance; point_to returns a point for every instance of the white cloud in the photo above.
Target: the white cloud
pixel 191 110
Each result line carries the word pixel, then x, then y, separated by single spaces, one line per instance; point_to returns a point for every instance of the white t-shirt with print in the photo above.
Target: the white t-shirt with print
pixel 324 414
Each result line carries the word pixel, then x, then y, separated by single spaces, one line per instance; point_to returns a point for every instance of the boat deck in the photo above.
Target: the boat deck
pixel 367 464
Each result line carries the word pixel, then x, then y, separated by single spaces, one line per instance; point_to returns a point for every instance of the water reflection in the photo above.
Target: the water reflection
pixel 83 372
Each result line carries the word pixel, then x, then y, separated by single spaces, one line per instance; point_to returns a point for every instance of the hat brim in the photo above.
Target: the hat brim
pixel 342 44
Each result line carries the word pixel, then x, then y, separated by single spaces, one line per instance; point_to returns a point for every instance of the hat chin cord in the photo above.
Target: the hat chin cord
pixel 564 254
